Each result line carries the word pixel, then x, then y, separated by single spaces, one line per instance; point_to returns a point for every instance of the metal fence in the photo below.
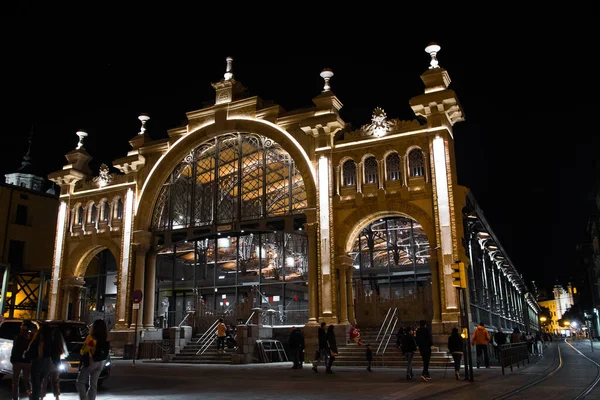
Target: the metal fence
pixel 513 353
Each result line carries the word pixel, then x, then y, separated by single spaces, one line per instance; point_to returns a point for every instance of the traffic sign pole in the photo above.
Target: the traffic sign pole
pixel 136 298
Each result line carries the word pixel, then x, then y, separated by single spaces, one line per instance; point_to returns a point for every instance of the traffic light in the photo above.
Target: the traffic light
pixel 459 275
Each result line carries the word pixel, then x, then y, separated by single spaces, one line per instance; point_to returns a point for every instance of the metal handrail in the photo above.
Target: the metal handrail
pixel 388 331
pixel 250 318
pixel 214 325
pixel 185 318
pixel 383 323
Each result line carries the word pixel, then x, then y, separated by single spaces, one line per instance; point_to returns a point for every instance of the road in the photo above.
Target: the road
pixel 154 380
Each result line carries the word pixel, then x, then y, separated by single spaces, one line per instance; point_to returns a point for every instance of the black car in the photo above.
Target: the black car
pixel 74 333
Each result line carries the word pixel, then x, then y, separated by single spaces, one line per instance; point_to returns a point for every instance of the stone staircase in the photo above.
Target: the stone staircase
pixel 210 356
pixel 353 355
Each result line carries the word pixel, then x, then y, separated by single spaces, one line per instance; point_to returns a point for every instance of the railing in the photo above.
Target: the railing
pixel 209 336
pixel 513 353
pixel 186 317
pixel 389 323
pixel 153 349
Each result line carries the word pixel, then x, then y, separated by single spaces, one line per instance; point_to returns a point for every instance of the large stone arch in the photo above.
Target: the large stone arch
pixel 177 152
pixel 80 257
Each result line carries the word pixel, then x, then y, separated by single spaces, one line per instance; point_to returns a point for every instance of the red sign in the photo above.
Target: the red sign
pixel 136 296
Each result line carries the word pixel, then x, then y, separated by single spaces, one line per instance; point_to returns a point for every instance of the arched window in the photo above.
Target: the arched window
pixel 79 214
pixel 119 209
pixel 349 173
pixel 371 170
pixel 392 167
pixel 92 213
pixel 105 211
pixel 416 164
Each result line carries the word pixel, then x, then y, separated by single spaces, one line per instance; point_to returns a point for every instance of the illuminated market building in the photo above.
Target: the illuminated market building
pixel 249 206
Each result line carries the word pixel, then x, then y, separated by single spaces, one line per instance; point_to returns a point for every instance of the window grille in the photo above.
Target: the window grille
pixel 392 166
pixel 416 164
pixel 371 170
pixel 349 173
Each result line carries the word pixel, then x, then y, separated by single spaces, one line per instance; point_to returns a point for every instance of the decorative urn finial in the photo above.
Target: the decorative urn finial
pixel 81 135
pixel 228 74
pixel 326 74
pixel 144 118
pixel 432 49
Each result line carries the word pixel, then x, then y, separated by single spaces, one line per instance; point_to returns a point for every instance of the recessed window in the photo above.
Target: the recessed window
pixel 371 170
pixel 349 173
pixel 21 218
pixel 416 163
pixel 392 167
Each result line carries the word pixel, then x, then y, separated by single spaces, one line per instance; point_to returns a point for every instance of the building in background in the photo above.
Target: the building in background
pixel 27 227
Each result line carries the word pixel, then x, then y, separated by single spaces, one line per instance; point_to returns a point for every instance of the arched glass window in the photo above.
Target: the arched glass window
pixel 92 211
pixel 416 163
pixel 392 167
pixel 349 173
pixel 119 209
pixel 79 214
pixel 105 211
pixel 371 170
pixel 232 177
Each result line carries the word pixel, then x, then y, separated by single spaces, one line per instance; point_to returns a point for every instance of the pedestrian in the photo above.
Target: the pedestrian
pixel 221 335
pixel 530 343
pixel 399 336
pixel 59 351
pixel 455 347
pixel 408 348
pixel 18 360
pixel 296 345
pixel 539 344
pixel 333 350
pixel 481 338
pixel 39 352
pixel 499 339
pixel 93 356
pixel 322 354
pixel 369 354
pixel 424 341
pixel 515 337
pixel 354 334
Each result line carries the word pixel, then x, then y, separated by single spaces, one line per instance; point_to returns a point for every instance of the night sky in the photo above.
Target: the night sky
pixel 527 148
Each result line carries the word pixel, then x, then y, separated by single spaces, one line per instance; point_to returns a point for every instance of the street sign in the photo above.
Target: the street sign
pixel 136 306
pixel 136 296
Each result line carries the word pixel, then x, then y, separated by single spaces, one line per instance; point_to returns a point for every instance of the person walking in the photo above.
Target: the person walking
pixel 408 348
pixel 455 347
pixel 516 337
pixel 39 352
pixel 296 345
pixel 58 352
pixel 424 341
pixel 323 348
pixel 221 335
pixel 481 338
pixel 539 343
pixel 94 353
pixel 18 360
pixel 500 339
pixel 369 355
pixel 333 350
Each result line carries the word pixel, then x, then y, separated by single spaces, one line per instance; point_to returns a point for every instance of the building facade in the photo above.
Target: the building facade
pixel 247 206
pixel 27 228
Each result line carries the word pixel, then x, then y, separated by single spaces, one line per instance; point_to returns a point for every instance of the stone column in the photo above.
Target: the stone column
pixel 313 281
pixel 342 264
pixel 349 296
pixel 72 292
pixel 140 251
pixel 141 245
pixel 149 290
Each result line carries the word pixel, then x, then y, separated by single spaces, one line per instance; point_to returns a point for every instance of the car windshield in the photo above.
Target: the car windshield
pixel 71 331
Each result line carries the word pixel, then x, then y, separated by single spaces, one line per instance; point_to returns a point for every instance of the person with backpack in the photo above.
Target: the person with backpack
pixel 408 346
pixel 94 352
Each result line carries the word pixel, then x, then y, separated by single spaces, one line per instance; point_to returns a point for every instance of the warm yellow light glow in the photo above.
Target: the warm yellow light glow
pixel 543 319
pixel 98 189
pixel 387 137
pixel 324 212
pixel 58 251
pixel 567 323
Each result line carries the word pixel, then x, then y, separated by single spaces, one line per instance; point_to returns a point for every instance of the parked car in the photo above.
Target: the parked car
pixel 74 333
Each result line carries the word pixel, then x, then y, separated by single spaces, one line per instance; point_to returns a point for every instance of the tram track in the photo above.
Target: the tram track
pixel 552 371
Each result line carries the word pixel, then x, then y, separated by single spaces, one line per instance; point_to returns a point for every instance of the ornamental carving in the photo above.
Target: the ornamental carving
pixel 104 177
pixel 380 126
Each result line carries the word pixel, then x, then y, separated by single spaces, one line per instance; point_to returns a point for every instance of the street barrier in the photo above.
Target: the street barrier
pixel 513 353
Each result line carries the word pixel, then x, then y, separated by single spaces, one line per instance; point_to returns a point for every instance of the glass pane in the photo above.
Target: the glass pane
pixel 228 178
pixel 249 251
pixel 226 264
